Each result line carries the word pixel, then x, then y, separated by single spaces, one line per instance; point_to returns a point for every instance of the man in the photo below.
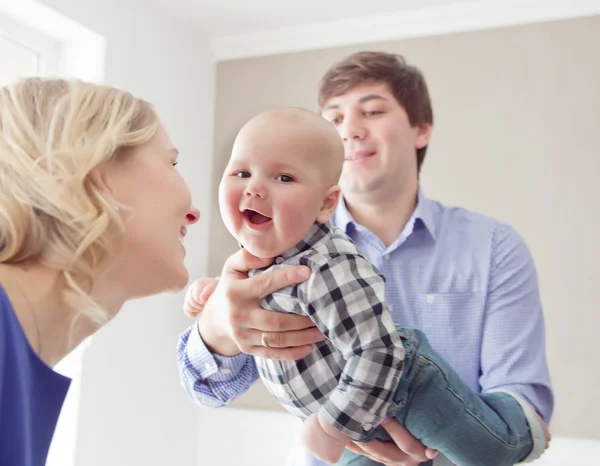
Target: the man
pixel 466 280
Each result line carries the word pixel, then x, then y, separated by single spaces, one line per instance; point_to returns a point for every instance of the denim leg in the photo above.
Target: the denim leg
pixel 438 409
pixel 470 429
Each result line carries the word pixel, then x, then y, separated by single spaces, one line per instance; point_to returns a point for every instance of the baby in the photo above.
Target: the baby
pixel 277 196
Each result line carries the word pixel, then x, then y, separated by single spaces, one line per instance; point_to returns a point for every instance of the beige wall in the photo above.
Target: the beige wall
pixel 516 137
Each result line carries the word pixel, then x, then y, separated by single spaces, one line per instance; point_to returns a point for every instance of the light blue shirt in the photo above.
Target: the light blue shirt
pixel 466 280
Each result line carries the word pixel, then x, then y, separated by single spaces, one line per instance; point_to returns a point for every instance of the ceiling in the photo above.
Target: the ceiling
pixel 219 18
pixel 245 28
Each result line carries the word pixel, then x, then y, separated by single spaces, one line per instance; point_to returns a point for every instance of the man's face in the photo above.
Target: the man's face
pixel 380 144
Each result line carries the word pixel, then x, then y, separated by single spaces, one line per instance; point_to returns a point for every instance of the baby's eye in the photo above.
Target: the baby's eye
pixel 242 174
pixel 284 178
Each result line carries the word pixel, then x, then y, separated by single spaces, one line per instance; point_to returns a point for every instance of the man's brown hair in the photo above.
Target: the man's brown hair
pixel 406 83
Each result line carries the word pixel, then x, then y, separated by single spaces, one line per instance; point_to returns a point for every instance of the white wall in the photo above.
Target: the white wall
pixel 246 437
pixel 132 409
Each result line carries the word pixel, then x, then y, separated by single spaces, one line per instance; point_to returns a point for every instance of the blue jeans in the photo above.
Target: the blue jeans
pixel 437 408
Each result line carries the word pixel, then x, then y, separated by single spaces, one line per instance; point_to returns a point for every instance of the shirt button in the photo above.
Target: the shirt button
pixel 368 427
pixel 430 299
pixel 279 260
pixel 225 371
pixel 387 257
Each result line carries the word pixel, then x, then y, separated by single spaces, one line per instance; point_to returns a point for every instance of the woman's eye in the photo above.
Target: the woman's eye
pixel 175 163
pixel 285 178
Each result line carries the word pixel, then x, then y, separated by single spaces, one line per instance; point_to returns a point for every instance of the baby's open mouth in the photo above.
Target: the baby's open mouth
pixel 255 218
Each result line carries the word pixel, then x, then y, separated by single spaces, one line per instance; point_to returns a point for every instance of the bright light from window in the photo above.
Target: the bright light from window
pixel 16 61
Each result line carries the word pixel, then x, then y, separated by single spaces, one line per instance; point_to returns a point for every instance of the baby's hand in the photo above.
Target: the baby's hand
pixel 197 295
pixel 319 443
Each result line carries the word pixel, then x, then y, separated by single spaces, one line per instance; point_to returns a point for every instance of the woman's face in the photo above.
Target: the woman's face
pixel 157 214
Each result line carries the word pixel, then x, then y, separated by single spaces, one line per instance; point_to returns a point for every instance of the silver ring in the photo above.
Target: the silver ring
pixel 263 339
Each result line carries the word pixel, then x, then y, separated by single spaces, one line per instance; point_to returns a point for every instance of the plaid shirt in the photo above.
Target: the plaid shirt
pixel 352 375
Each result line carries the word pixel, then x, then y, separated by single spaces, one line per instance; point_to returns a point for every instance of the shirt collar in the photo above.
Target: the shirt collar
pixel 423 212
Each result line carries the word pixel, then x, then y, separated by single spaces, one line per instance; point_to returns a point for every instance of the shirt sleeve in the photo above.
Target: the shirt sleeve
pixel 513 351
pixel 346 301
pixel 209 379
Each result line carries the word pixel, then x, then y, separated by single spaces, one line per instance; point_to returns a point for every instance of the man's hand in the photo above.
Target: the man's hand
pixel 231 318
pixel 544 428
pixel 405 450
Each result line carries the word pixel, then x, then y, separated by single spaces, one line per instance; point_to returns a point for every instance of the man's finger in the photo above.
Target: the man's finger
pixel 389 453
pixel 266 283
pixel 404 440
pixel 353 447
pixel 547 434
pixel 240 263
pixel 271 321
pixel 287 339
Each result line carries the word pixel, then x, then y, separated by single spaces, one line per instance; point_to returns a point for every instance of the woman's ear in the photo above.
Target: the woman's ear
pixel 330 202
pixel 99 179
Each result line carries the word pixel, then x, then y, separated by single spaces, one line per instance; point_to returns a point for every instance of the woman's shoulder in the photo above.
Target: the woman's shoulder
pixel 29 415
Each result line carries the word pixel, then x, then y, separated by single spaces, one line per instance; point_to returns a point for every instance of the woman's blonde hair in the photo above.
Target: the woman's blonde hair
pixel 53 133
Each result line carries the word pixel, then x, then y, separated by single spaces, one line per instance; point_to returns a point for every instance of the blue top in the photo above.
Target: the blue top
pixel 466 280
pixel 31 395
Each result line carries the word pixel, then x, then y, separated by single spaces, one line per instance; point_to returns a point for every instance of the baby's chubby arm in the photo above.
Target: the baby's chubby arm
pixel 344 298
pixel 322 440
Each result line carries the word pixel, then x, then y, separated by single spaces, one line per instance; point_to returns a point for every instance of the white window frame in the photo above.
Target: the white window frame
pixel 47 48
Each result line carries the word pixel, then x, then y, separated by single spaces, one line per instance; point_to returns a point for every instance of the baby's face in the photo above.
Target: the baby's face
pixel 271 192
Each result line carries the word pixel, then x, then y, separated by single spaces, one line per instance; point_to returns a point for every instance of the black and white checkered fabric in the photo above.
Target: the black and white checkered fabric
pixel 352 375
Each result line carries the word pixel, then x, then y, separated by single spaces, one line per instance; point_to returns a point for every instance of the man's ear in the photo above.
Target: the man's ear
pixel 423 135
pixel 330 203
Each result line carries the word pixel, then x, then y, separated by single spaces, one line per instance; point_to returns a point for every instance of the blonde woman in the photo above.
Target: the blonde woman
pixel 93 213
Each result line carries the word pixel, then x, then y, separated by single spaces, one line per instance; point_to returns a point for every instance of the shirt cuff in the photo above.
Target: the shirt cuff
pixel 348 418
pixel 537 433
pixel 217 367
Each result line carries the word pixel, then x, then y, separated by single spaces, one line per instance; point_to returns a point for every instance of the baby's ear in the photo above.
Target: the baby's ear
pixel 332 196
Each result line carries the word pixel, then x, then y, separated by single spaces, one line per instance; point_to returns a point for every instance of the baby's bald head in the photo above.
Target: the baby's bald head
pixel 286 127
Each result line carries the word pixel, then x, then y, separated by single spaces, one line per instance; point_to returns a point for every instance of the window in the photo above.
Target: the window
pixel 25 52
pixel 16 61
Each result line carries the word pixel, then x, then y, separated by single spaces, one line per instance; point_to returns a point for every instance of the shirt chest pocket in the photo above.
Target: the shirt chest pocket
pixel 453 323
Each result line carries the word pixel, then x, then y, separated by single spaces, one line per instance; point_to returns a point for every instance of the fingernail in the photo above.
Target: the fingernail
pixel 431 454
